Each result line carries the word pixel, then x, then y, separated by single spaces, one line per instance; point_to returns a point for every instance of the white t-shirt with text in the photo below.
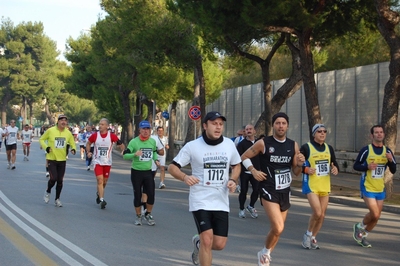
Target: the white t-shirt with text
pixel 211 165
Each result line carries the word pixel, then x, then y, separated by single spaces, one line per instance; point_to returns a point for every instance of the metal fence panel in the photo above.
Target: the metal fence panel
pixel 327 102
pixel 345 110
pixel 350 102
pixel 366 103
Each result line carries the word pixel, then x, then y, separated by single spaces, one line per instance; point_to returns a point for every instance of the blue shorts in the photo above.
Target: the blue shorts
pixel 374 195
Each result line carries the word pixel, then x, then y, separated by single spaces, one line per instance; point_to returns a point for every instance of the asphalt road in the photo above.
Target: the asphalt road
pixel 80 233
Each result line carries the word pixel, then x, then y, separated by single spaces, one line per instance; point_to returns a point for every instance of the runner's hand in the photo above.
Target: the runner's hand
pixel 300 159
pixel 231 186
pixel 190 180
pixel 334 169
pixel 259 175
pixel 389 156
pixel 372 166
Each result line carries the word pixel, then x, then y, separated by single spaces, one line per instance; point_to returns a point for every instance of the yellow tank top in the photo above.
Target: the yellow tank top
pixel 374 178
pixel 320 181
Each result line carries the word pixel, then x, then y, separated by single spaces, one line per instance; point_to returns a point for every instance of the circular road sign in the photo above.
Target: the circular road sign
pixel 165 114
pixel 194 112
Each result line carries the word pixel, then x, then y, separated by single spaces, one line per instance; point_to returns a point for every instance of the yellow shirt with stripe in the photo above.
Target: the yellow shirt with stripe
pixel 373 179
pixel 320 181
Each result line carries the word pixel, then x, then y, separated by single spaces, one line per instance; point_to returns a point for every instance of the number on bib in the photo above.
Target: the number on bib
pixel 283 178
pixel 322 167
pixel 379 171
pixel 59 143
pixel 214 174
pixel 103 151
pixel 147 154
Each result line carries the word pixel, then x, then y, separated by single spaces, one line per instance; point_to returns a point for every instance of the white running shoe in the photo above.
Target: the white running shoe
pixel 195 253
pixel 8 166
pixel 150 220
pixel 314 243
pixel 47 175
pixel 364 243
pixel 161 186
pixel 358 233
pixel 138 220
pixel 252 211
pixel 27 159
pixel 46 197
pixel 263 259
pixel 242 214
pixel 58 203
pixel 306 241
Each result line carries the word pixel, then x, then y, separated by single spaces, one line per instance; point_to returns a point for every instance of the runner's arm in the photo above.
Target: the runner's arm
pixel 296 168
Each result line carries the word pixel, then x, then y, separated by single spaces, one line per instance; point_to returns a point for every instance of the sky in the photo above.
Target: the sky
pixel 61 18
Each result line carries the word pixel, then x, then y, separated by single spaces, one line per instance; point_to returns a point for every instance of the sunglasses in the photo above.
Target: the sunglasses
pixel 320 131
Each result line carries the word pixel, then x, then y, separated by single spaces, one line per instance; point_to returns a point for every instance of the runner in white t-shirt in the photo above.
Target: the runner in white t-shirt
pixel 164 142
pixel 210 156
pixel 87 134
pixel 82 143
pixel 11 135
pixel 1 136
pixel 26 136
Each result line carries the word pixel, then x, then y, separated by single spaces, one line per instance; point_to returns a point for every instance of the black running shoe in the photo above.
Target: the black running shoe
pixel 98 198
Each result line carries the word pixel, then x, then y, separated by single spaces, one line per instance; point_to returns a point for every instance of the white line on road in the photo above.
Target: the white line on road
pixel 65 257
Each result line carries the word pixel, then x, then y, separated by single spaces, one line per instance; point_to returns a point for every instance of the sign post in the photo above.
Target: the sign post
pixel 194 114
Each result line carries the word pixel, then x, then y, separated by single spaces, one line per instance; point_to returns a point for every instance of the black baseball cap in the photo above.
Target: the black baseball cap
pixel 212 116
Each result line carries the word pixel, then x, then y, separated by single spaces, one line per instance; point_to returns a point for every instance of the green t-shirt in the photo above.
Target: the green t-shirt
pixel 149 153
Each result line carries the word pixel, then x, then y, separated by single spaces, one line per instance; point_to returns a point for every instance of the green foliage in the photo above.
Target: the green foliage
pixel 81 82
pixel 29 69
pixel 139 48
pixel 78 110
pixel 363 47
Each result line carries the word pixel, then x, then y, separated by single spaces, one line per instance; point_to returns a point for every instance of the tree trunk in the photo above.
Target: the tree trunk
pixel 283 93
pixel 127 124
pixel 263 124
pixel 24 111
pixel 171 131
pixel 4 103
pixel 202 92
pixel 199 88
pixel 150 107
pixel 30 105
pixel 387 23
pixel 49 115
pixel 310 88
